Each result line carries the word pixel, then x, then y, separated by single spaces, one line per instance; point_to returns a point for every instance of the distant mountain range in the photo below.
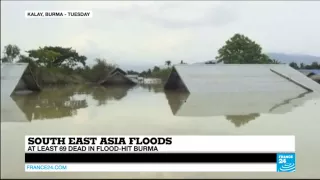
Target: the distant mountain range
pixel 298 58
pixel 288 58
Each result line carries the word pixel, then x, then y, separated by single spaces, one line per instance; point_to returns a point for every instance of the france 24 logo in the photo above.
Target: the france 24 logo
pixel 286 162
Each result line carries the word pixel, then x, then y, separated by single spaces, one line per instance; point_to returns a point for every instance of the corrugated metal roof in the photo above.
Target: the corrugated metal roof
pixel 243 78
pixel 11 73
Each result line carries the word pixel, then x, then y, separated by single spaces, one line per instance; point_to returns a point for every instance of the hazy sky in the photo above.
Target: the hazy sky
pixel 152 32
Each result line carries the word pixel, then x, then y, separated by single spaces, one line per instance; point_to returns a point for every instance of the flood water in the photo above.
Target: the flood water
pixel 147 110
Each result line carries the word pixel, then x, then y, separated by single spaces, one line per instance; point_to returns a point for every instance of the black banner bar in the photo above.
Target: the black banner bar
pixel 150 157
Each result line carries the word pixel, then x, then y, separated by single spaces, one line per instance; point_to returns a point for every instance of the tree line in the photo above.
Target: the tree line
pixel 313 65
pixel 239 49
pixel 61 60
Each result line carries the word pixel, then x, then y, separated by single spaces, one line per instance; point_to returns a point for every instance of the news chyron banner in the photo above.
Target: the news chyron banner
pixel 160 154
pixel 58 14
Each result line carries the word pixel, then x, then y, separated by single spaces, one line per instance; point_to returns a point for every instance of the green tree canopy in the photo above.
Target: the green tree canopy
pixel 314 65
pixel 239 49
pixel 44 57
pixel 294 65
pixel 156 69
pixel 10 53
pixel 58 56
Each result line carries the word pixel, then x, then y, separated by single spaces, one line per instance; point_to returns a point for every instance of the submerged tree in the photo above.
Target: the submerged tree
pixel 44 57
pixel 10 53
pixel 294 65
pixel 314 65
pixel 239 49
pixel 57 56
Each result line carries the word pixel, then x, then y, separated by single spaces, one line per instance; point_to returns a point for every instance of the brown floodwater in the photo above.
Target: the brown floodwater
pixel 148 110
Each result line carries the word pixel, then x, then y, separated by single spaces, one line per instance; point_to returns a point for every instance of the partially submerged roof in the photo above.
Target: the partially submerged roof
pixel 117 78
pixel 210 90
pixel 17 75
pixel 316 77
pixel 117 70
pixel 309 72
pixel 239 78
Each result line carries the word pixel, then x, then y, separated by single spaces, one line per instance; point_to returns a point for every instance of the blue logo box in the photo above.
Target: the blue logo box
pixel 286 162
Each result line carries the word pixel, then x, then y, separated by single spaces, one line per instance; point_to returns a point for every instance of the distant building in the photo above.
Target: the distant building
pixel 314 74
pixel 117 77
pixel 316 78
pixel 132 76
pixel 117 70
pixel 152 81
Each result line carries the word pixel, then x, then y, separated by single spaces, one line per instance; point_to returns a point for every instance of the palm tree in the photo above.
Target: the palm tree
pixel 274 61
pixel 168 63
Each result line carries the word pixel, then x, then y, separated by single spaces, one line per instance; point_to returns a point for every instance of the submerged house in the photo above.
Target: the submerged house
pixel 134 77
pixel 242 89
pixel 117 77
pixel 15 77
pixel 117 70
pixel 316 78
pixel 314 74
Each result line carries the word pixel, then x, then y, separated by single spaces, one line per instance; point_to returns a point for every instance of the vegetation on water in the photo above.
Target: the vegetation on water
pixel 64 65
pixel 59 65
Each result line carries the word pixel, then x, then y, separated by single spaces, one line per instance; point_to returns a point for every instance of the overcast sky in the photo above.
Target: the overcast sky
pixel 152 32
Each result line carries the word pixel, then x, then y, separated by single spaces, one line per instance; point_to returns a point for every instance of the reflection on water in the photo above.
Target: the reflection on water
pixel 50 104
pixel 239 109
pixel 59 102
pixel 176 100
pixel 147 110
pixel 288 101
pixel 102 95
pixel 156 88
pixel 240 120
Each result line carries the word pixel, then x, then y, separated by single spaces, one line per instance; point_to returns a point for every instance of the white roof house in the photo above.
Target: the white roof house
pixel 211 90
pixel 13 76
